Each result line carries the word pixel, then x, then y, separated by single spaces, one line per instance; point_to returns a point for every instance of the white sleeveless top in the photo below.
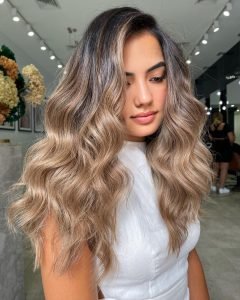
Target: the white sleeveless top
pixel 145 270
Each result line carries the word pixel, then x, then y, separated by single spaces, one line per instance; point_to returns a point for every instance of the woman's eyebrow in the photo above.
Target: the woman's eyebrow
pixel 158 65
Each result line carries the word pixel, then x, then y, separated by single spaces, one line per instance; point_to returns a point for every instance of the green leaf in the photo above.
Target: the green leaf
pixel 5 51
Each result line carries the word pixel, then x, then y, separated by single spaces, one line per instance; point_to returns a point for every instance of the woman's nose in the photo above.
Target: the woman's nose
pixel 143 94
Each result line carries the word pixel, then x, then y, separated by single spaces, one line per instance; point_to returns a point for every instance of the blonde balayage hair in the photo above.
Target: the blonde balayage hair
pixel 74 174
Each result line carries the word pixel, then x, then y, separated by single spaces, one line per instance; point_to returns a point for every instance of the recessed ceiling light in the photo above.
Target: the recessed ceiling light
pixel 227 10
pixel 215 26
pixel 197 51
pixel 15 16
pixel 30 32
pixel 43 46
pixel 226 13
pixel 205 39
pixel 52 56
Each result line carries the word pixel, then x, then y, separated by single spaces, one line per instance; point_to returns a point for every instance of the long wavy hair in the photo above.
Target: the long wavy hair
pixel 73 172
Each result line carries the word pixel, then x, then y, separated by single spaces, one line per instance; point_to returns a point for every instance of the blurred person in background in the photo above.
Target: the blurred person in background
pixel 222 137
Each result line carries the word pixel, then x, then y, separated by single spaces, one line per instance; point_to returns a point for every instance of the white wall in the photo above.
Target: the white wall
pixel 233 92
pixel 214 99
pixel 237 126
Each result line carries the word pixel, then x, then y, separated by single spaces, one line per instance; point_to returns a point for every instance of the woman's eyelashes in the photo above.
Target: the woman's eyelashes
pixel 158 79
pixel 154 79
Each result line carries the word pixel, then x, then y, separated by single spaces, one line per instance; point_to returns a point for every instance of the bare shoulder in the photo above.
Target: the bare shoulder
pixel 75 284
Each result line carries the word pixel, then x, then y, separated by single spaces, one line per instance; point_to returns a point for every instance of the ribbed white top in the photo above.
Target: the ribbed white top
pixel 145 270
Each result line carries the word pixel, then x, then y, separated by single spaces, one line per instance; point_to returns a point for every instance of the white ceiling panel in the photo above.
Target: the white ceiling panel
pixel 185 20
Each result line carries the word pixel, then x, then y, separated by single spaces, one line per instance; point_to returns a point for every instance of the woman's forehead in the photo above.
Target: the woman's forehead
pixel 142 51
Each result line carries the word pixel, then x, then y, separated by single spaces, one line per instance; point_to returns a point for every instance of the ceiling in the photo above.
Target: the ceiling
pixel 185 20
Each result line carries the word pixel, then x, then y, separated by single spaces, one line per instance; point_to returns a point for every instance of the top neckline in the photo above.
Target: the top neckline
pixel 132 144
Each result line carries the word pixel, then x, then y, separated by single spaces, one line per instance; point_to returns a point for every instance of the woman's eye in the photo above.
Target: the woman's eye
pixel 157 79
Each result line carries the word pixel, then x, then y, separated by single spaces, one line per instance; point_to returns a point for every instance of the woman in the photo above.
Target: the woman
pixel 113 191
pixel 222 138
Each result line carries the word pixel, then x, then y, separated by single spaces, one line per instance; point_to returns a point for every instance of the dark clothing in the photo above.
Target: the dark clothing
pixel 236 148
pixel 221 149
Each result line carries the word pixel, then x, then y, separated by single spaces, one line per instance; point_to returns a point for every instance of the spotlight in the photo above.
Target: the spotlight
pixel 52 56
pixel 205 39
pixel 30 32
pixel 215 26
pixel 220 102
pixel 224 108
pixel 15 17
pixel 232 105
pixel 227 102
pixel 59 66
pixel 208 113
pixel 218 93
pixel 43 46
pixel 210 108
pixel 197 51
pixel 227 9
pixel 206 108
pixel 237 110
pixel 188 61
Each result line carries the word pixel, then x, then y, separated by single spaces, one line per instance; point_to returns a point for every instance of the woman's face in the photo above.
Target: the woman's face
pixel 146 87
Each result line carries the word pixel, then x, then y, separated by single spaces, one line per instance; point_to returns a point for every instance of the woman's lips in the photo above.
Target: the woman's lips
pixel 144 120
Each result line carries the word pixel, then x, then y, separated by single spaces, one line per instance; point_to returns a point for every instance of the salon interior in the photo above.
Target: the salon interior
pixel 42 34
